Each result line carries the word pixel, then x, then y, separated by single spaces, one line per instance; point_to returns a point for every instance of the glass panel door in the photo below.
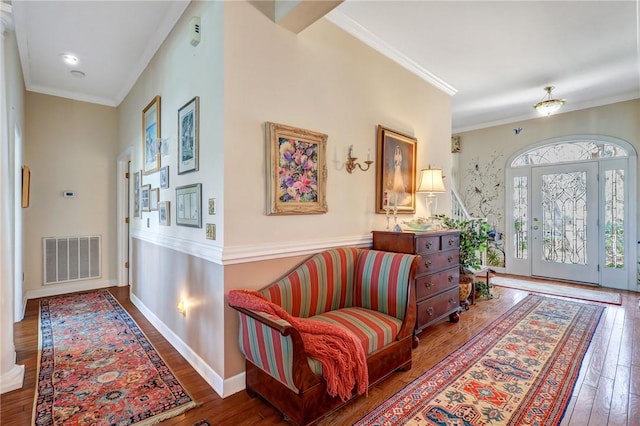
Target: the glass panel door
pixel 564 233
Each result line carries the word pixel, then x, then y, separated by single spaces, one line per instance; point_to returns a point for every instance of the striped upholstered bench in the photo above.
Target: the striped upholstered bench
pixel 365 291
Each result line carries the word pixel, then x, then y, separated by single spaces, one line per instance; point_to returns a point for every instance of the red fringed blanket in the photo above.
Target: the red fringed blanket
pixel 344 363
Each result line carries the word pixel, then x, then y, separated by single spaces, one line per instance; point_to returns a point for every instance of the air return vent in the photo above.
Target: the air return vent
pixel 71 258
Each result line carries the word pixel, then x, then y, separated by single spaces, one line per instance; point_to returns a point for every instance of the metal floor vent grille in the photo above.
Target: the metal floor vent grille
pixel 71 258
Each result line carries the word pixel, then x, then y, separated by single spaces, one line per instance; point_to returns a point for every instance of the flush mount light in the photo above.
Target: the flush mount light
pixel 548 105
pixel 69 58
pixel 77 73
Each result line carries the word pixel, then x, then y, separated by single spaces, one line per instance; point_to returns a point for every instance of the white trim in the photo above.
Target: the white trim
pixel 56 289
pixel 12 379
pixel 249 253
pixel 222 387
pixel 122 214
pixel 367 37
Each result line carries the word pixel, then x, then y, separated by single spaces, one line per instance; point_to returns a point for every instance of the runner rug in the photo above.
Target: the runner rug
pixel 559 290
pixel 520 370
pixel 96 367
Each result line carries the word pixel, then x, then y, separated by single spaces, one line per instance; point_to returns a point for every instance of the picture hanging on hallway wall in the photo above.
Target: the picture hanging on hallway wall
pixel 164 213
pixel 189 205
pixel 296 170
pixel 396 172
pixel 136 194
pixel 151 136
pixel 145 197
pixel 188 135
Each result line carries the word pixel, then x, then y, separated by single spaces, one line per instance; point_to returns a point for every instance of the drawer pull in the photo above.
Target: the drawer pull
pixel 429 244
pixel 450 258
pixel 427 263
pixel 427 284
pixel 451 240
pixel 430 311
pixel 451 300
pixel 450 278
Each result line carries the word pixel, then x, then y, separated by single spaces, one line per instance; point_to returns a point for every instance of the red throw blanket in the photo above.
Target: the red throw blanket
pixel 341 354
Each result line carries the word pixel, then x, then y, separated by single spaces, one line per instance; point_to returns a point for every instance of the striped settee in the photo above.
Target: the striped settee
pixel 366 291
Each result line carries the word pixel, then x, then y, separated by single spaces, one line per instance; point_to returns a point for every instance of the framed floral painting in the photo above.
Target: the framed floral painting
pixel 296 170
pixel 396 172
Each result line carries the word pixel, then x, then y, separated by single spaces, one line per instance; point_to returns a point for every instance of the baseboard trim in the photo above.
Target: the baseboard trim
pixel 223 388
pixel 12 379
pixel 56 289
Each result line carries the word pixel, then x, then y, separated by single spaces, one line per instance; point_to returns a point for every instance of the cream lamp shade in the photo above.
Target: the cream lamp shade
pixel 431 181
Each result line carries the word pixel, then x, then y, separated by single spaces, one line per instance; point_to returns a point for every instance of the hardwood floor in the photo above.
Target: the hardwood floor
pixel 607 391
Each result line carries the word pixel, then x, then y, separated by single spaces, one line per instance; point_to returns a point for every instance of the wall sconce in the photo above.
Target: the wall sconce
pixel 182 307
pixel 351 163
pixel 431 183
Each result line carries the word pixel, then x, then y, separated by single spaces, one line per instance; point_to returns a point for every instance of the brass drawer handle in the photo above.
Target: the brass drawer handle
pixel 450 258
pixel 451 300
pixel 429 244
pixel 450 278
pixel 427 263
pixel 427 284
pixel 430 311
pixel 451 240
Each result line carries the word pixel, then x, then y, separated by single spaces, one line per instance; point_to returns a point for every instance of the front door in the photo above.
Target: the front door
pixel 564 221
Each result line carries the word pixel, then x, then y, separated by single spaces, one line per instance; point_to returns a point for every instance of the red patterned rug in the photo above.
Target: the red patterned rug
pixel 96 367
pixel 520 370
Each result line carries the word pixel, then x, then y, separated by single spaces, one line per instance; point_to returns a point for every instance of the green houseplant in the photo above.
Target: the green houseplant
pixel 473 241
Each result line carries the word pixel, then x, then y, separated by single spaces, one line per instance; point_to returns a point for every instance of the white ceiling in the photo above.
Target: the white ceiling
pixel 495 58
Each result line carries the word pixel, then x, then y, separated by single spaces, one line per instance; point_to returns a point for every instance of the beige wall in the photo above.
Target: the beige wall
pixel 247 70
pixel 69 145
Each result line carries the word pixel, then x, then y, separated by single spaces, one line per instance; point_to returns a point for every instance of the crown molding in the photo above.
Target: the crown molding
pixel 367 37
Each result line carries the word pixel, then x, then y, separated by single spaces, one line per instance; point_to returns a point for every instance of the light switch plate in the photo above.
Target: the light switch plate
pixel 211 231
pixel 212 206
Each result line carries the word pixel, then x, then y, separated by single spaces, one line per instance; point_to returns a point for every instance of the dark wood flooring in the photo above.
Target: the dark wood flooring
pixel 607 391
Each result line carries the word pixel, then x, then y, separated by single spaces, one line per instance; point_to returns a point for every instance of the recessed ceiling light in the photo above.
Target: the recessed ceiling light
pixel 77 73
pixel 69 58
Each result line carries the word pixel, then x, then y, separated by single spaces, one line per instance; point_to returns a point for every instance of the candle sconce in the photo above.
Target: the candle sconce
pixel 351 162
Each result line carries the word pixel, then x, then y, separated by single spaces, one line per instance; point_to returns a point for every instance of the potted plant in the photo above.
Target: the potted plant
pixel 473 241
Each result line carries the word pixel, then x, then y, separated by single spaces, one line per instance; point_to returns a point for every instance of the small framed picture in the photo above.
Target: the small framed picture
pixel 188 129
pixel 164 213
pixel 164 177
pixel 136 194
pixel 189 205
pixel 150 136
pixel 154 198
pixel 145 200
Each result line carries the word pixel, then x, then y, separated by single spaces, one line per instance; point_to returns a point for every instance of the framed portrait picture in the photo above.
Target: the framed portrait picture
pixel 145 198
pixel 154 198
pixel 164 213
pixel 164 177
pixel 189 205
pixel 296 170
pixel 150 136
pixel 396 171
pixel 136 194
pixel 188 135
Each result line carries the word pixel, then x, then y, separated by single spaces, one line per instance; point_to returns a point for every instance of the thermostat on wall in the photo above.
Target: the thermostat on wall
pixel 69 194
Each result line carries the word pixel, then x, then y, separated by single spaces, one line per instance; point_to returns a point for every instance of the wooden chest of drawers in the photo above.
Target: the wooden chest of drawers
pixel 438 276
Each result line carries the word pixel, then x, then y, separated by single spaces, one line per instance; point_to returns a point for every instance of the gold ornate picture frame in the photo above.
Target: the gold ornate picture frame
pixel 296 170
pixel 396 171
pixel 151 136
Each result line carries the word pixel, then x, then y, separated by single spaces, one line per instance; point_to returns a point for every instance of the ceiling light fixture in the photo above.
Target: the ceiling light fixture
pixel 549 105
pixel 69 58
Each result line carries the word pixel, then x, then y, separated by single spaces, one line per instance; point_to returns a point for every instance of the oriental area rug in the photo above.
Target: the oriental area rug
pixel 520 370
pixel 96 367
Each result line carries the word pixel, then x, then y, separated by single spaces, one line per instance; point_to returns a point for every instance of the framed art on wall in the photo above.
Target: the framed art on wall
pixel 150 136
pixel 296 170
pixel 189 205
pixel 188 135
pixel 164 177
pixel 396 171
pixel 136 194
pixel 26 186
pixel 145 197
pixel 164 213
pixel 154 198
